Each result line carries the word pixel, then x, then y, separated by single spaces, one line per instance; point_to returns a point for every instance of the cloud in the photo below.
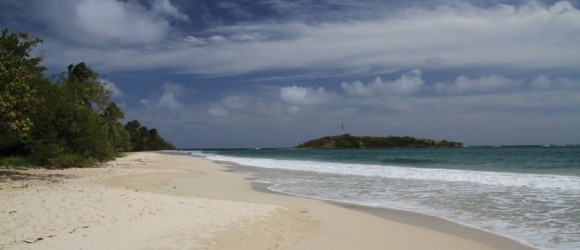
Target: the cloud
pixel 169 100
pixel 304 96
pixel 115 91
pixel 487 83
pixel 242 107
pixel 541 82
pixel 547 83
pixel 234 102
pixel 235 9
pixel 496 83
pixel 293 110
pixel 165 7
pixel 529 36
pixel 189 39
pixel 409 83
pixel 524 111
pixel 217 111
pixel 107 23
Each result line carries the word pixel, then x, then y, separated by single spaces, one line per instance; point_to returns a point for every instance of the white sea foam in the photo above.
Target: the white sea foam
pixel 538 209
pixel 539 181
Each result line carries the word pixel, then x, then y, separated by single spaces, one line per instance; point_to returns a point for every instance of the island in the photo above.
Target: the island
pixel 347 141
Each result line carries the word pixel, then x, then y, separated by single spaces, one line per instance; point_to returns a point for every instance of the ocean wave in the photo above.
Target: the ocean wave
pixel 521 180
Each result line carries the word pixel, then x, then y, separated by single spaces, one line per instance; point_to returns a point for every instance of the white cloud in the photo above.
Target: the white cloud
pixel 541 82
pixel 409 83
pixel 293 110
pixel 469 118
pixel 528 36
pixel 169 100
pixel 545 82
pixel 217 111
pixel 358 88
pixel 164 7
pixel 530 102
pixel 304 96
pixel 460 36
pixel 194 40
pixel 245 108
pixel 109 23
pixel 217 39
pixel 234 102
pixel 116 92
pixel 482 84
pixel 235 9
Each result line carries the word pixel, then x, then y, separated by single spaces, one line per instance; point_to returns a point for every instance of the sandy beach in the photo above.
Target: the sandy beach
pixel 157 200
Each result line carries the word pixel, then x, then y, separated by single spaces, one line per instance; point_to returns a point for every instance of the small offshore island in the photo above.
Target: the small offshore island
pixel 347 141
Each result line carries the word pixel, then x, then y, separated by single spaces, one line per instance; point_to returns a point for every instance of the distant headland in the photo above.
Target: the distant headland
pixel 347 141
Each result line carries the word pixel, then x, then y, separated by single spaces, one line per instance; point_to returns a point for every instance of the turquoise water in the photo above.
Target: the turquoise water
pixel 531 194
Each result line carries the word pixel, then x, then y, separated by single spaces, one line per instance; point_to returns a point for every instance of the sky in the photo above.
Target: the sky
pixel 275 73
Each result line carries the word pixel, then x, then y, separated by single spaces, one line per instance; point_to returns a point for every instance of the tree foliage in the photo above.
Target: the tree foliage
pixel 143 139
pixel 348 141
pixel 68 132
pixel 78 124
pixel 17 70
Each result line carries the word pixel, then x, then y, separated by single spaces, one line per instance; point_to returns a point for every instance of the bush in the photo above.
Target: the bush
pixel 16 161
pixel 56 156
pixel 46 154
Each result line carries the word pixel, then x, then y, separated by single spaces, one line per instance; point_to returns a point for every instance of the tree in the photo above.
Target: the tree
pixel 17 70
pixel 82 82
pixel 79 124
pixel 143 139
pixel 133 127
pixel 118 136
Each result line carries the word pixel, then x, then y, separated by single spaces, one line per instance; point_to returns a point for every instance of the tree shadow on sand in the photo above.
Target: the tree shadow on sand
pixel 7 176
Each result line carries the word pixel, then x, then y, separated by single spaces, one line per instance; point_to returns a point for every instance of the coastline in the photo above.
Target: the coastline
pixel 491 239
pixel 438 224
pixel 150 200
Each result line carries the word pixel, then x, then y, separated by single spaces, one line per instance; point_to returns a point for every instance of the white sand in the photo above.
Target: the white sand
pixel 160 201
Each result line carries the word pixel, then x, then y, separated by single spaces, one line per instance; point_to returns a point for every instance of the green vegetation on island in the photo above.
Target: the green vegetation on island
pixel 347 141
pixel 68 122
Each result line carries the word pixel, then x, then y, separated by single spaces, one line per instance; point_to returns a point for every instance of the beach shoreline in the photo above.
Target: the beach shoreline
pixel 424 220
pixel 444 225
pixel 159 199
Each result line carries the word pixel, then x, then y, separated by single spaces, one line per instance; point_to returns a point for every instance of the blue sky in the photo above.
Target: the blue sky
pixel 274 73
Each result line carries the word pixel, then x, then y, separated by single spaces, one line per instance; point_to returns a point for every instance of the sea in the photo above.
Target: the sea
pixel 527 193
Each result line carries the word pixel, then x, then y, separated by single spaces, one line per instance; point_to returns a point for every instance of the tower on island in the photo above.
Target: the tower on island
pixel 342 130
